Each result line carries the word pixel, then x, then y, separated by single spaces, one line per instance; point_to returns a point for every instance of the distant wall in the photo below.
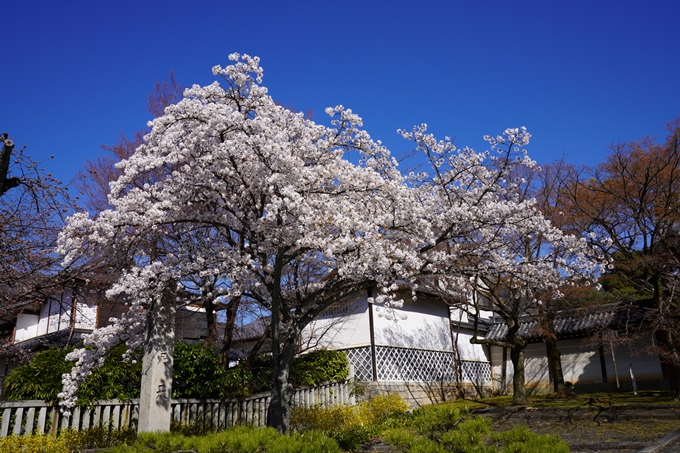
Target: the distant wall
pixel 581 366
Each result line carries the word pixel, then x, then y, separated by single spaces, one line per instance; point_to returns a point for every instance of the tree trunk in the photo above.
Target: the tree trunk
pixel 672 358
pixel 5 158
pixel 555 365
pixel 519 395
pixel 211 325
pixel 232 309
pixel 554 356
pixel 281 404
pixel 256 348
pixel 675 370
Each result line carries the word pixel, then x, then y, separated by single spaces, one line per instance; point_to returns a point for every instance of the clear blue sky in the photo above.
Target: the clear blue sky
pixel 578 74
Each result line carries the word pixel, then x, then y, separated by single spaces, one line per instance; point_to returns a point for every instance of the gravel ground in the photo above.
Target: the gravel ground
pixel 582 435
pixel 593 431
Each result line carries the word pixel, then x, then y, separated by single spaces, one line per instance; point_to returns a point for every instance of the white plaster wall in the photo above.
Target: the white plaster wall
pixel 581 363
pixel 26 327
pixel 496 353
pixel 578 366
pixel 58 313
pixel 349 329
pixel 44 317
pixel 420 324
pixel 86 315
pixel 646 365
pixel 535 365
pixel 469 351
pixel 458 315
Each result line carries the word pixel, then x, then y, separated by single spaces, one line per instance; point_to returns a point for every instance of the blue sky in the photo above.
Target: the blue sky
pixel 579 75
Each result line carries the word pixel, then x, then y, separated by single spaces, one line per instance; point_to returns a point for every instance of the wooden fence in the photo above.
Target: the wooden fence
pixel 26 417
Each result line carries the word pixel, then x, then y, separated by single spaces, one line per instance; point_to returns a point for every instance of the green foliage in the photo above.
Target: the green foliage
pixel 408 441
pixel 237 382
pixel 309 369
pixel 449 427
pixel 97 437
pixel 521 440
pixel 116 379
pixel 33 444
pixel 235 440
pixel 197 372
pixel 38 380
pixel 351 426
pixel 41 378
pixel 470 436
pixel 436 419
pixel 318 367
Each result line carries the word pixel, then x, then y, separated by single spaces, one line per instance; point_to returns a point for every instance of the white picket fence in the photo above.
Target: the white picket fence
pixel 26 417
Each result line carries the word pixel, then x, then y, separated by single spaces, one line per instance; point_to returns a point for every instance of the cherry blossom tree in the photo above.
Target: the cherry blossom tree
pixel 492 240
pixel 294 226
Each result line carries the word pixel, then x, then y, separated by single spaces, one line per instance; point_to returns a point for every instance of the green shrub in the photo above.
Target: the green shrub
pixel 449 427
pixel 197 372
pixel 522 440
pixel 309 369
pixel 469 436
pixel 237 382
pixel 235 440
pixel 318 367
pixel 40 379
pixel 33 444
pixel 97 437
pixel 351 426
pixel 408 441
pixel 116 379
pixel 438 418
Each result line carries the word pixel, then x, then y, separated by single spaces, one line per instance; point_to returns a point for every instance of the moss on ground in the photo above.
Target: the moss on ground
pixel 645 398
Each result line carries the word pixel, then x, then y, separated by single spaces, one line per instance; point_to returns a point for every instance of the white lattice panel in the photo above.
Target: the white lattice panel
pixel 475 372
pixel 403 364
pixel 360 358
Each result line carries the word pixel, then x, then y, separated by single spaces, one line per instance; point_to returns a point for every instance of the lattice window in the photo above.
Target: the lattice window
pixel 475 372
pixel 403 364
pixel 341 307
pixel 360 358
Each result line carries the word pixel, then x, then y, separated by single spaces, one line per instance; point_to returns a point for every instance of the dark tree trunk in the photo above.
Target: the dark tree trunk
pixel 554 356
pixel 5 158
pixel 255 350
pixel 281 404
pixel 232 310
pixel 519 395
pixel 211 325
pixel 555 365
pixel 673 358
pixel 675 369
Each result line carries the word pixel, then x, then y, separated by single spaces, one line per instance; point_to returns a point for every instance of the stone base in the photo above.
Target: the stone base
pixel 422 393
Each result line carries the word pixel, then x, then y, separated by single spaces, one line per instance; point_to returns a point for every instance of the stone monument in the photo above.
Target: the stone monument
pixel 156 387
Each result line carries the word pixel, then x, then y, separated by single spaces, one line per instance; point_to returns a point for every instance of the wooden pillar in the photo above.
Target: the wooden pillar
pixel 374 363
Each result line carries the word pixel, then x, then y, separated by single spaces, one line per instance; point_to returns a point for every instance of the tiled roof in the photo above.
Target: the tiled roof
pixel 574 323
pixel 52 339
